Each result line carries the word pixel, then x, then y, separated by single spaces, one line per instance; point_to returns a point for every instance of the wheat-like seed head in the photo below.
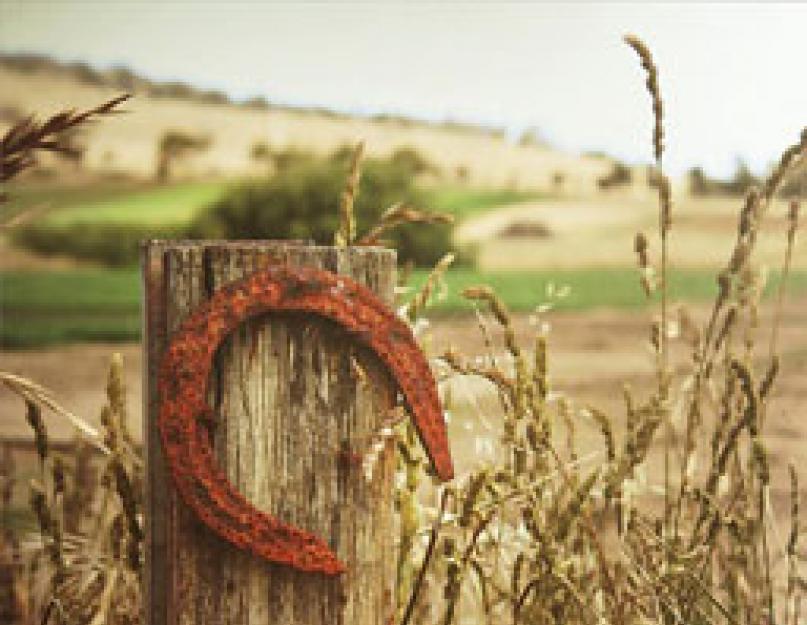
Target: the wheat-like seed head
pixel 346 233
pixel 653 89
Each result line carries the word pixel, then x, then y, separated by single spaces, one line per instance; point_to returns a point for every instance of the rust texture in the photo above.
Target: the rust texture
pixel 185 418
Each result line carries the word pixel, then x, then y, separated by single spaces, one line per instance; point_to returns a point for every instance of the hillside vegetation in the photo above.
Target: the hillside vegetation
pixel 129 144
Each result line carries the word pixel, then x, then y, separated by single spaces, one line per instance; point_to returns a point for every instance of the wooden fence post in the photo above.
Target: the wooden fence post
pixel 288 391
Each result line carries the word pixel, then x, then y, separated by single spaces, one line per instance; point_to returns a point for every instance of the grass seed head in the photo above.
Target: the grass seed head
pixel 346 232
pixel 646 58
pixel 33 415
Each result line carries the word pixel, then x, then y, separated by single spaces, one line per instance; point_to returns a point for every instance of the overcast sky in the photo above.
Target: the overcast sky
pixel 733 76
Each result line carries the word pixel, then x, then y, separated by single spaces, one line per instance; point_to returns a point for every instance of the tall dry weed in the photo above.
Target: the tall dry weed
pixel 83 562
pixel 545 535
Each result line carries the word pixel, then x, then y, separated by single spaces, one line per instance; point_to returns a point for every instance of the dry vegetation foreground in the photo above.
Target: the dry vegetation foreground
pixel 592 354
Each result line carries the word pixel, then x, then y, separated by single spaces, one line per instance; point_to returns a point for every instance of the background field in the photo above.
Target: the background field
pixel 144 203
pixel 585 245
pixel 101 305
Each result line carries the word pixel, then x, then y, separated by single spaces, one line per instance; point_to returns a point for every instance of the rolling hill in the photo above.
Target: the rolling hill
pixel 127 144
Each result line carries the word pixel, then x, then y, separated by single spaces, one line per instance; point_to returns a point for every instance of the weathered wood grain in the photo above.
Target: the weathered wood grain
pixel 287 395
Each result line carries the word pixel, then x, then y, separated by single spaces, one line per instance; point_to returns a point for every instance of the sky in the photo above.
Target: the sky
pixel 732 75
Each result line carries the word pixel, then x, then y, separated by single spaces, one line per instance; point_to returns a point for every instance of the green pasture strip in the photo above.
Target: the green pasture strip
pixel 463 202
pixel 173 204
pixel 43 198
pixel 46 308
pixel 75 290
pixel 151 205
pixel 587 288
pixel 27 332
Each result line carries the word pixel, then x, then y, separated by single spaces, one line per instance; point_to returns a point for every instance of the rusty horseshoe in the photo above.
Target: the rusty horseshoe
pixel 183 378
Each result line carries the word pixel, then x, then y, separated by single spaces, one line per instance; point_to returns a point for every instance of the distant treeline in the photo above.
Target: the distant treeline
pixel 794 184
pixel 123 78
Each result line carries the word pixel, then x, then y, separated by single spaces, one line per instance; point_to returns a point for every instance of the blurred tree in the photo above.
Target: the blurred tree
pixel 301 202
pixel 532 137
pixel 290 156
pixel 410 159
pixel 257 102
pixel 742 180
pixel 558 181
pixel 619 175
pixel 260 151
pixel 699 184
pixel 175 144
pixel 124 78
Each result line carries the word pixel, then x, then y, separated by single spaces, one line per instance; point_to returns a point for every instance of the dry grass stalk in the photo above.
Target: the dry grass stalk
pixel 35 394
pixel 646 272
pixel 793 596
pixel 706 556
pixel 414 594
pixel 662 184
pixel 792 228
pixel 650 68
pixel 23 140
pixel 435 278
pixel 397 215
pixel 346 233
pixel 84 563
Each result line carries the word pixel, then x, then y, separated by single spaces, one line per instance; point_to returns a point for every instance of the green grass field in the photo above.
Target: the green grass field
pixel 41 308
pixel 463 202
pixel 587 288
pixel 46 308
pixel 102 223
pixel 149 205
pixel 176 204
